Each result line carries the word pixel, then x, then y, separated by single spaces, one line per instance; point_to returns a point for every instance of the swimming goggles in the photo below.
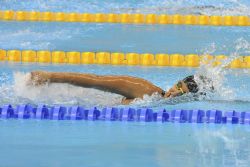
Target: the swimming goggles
pixel 179 87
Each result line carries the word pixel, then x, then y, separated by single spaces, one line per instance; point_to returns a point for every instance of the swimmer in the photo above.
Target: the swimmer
pixel 127 86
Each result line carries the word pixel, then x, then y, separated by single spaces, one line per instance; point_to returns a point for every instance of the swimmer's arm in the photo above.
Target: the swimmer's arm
pixel 129 87
pixel 84 80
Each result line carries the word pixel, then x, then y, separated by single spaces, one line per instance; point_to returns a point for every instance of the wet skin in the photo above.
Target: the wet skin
pixel 127 86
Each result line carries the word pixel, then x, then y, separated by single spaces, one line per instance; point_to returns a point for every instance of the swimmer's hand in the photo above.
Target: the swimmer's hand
pixel 39 78
pixel 126 101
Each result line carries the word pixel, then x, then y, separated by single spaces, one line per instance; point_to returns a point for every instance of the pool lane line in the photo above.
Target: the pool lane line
pixel 107 58
pixel 44 112
pixel 125 18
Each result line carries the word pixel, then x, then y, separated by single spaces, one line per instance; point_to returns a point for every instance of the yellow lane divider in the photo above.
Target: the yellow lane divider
pixel 146 59
pixel 125 18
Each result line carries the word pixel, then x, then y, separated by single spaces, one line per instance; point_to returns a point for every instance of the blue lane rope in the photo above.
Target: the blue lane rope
pixel 43 112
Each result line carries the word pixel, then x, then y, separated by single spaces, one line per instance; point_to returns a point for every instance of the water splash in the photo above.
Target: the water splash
pixel 65 95
pixel 213 85
pixel 217 75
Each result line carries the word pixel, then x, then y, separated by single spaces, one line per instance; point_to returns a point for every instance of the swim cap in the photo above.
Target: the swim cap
pixel 191 84
pixel 205 84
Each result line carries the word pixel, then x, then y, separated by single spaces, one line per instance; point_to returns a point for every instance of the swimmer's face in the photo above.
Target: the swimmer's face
pixel 178 89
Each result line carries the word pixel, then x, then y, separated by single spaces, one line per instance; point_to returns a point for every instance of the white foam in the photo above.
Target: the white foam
pixel 64 94
pixel 217 74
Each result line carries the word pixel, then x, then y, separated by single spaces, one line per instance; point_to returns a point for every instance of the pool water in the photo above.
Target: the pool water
pixel 79 143
pixel 122 38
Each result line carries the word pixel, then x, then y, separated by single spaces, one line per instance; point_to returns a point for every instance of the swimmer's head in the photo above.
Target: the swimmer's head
pixel 191 84
pixel 186 85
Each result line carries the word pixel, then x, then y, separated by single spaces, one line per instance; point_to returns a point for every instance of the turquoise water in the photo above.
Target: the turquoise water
pixel 64 143
pixel 122 38
pixel 84 143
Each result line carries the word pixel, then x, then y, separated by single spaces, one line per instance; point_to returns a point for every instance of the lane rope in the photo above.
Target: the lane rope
pixel 107 58
pixel 43 112
pixel 125 18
